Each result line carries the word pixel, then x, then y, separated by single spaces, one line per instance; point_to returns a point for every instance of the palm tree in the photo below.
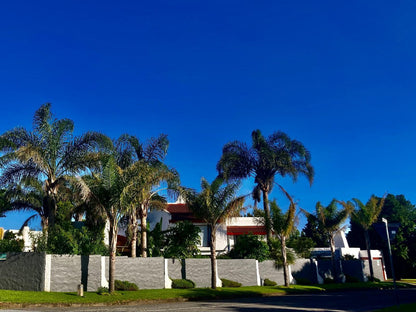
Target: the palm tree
pixel 330 219
pixel 146 196
pixel 214 204
pixel 266 158
pixel 149 157
pixel 365 216
pixel 109 189
pixel 283 224
pixel 49 154
pixel 28 195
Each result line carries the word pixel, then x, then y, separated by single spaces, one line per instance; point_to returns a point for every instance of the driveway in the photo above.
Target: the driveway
pixel 348 301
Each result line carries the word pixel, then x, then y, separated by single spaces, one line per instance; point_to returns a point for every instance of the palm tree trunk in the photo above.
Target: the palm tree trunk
pixel 267 220
pixel 370 259
pixel 143 227
pixel 113 248
pixel 332 244
pixel 133 243
pixel 49 205
pixel 44 222
pixel 213 258
pixel 284 256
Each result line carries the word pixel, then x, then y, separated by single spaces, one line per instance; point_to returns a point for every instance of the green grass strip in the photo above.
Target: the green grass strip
pixel 410 307
pixel 26 298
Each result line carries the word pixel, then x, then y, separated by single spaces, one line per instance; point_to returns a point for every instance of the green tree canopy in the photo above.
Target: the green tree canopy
pixel 396 209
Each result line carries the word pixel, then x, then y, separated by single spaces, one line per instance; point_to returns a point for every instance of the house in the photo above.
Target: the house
pixel 227 232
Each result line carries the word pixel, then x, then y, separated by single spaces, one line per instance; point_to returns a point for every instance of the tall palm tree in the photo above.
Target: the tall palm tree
pixel 214 204
pixel 110 190
pixel 48 153
pixel 149 157
pixel 283 224
pixel 331 218
pixel 147 194
pixel 266 158
pixel 365 216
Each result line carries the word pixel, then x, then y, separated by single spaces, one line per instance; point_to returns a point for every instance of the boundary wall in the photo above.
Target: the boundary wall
pixel 63 273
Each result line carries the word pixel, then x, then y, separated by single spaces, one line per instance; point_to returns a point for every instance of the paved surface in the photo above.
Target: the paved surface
pixel 349 301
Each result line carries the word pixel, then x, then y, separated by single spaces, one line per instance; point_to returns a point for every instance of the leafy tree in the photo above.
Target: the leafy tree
pixel 156 240
pixel 330 220
pixel 365 216
pixel 213 205
pixel 10 243
pixel 266 158
pixel 300 244
pixel 182 241
pixel 315 231
pixel 249 246
pixel 397 210
pixel 48 154
pixel 65 238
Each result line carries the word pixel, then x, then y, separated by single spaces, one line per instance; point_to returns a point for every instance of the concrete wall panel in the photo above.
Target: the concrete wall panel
pixel 23 271
pixel 304 269
pixel 146 273
pixel 269 270
pixel 243 271
pixel 198 271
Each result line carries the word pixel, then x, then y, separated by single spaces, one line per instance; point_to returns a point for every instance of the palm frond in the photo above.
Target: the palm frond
pixel 41 120
pixel 156 149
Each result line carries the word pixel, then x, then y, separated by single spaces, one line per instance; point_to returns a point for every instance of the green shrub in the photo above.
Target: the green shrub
pixel 182 283
pixel 228 283
pixel 329 280
pixel 351 279
pixel 249 246
pixel 103 291
pixel 268 282
pixel 10 243
pixel 303 281
pixel 125 285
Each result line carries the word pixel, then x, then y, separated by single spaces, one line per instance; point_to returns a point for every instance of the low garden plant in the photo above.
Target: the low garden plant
pixel 125 285
pixel 268 282
pixel 229 283
pixel 182 284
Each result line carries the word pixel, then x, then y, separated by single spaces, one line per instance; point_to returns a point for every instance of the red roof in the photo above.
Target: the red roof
pixel 177 208
pixel 241 230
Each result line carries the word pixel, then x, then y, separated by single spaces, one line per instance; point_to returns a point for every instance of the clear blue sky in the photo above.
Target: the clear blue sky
pixel 340 76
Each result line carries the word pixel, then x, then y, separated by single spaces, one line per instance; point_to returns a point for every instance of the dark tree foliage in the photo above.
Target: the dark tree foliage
pixel 182 241
pixel 155 240
pixel 10 243
pixel 4 204
pixel 315 232
pixel 65 238
pixel 249 246
pixel 302 245
pixel 396 209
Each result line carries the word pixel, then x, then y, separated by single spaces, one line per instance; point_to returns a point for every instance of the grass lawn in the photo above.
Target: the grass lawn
pixel 410 307
pixel 25 298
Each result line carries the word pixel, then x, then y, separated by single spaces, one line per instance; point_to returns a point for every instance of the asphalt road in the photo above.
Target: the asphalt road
pixel 348 301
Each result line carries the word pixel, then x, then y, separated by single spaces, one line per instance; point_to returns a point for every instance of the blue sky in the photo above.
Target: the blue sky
pixel 339 76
